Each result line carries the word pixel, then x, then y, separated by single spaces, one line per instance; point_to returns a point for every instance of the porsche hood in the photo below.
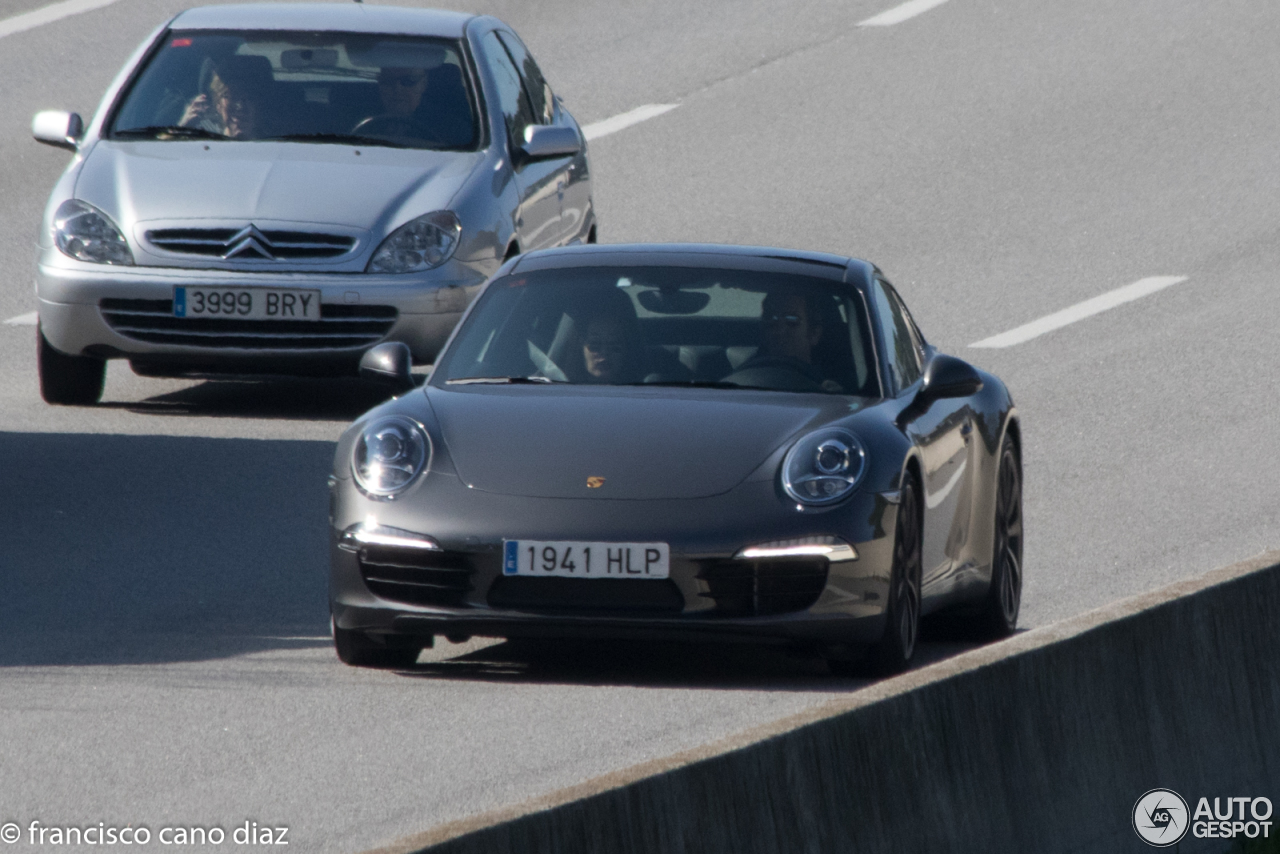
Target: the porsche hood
pixel 141 183
pixel 548 442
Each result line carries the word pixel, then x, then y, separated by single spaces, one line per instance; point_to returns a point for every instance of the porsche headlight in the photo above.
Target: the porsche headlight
pixel 389 456
pixel 87 234
pixel 420 244
pixel 824 467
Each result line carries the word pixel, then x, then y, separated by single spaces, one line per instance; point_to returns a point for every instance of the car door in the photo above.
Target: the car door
pixel 573 183
pixel 942 430
pixel 539 182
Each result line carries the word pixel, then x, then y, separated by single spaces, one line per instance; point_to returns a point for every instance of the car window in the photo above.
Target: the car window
pixel 902 356
pixel 917 338
pixel 667 325
pixel 512 99
pixel 246 86
pixel 540 97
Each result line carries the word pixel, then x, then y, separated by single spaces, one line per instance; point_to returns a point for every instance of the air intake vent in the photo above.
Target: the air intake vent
pixel 340 327
pixel 756 587
pixel 416 577
pixel 578 595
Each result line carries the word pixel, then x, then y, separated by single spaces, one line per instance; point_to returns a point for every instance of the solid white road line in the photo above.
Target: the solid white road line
pixel 1080 311
pixel 29 319
pixel 48 14
pixel 898 14
pixel 595 130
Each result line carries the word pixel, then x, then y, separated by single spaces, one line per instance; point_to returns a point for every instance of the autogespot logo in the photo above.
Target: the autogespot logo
pixel 1160 818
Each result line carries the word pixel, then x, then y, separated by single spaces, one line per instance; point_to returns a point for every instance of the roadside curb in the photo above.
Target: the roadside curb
pixel 1039 742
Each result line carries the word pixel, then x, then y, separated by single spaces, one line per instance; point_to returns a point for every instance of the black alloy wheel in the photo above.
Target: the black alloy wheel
pixel 68 380
pixel 359 650
pixel 1000 610
pixel 893 652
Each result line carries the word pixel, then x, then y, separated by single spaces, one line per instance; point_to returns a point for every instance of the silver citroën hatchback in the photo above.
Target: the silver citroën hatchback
pixel 274 189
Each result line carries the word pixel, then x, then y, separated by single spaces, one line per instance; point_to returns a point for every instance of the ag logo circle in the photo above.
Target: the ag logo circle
pixel 1160 818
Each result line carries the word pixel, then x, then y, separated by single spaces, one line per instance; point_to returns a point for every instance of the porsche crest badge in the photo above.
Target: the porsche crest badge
pixel 594 482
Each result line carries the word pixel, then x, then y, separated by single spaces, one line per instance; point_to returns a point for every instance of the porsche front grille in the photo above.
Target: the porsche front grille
pixel 339 327
pixel 250 244
pixel 415 576
pixel 756 587
pixel 581 595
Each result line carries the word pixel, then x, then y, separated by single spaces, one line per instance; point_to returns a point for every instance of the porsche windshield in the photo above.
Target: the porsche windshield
pixel 349 88
pixel 665 326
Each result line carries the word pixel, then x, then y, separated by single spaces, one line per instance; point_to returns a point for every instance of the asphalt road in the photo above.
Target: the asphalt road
pixel 164 657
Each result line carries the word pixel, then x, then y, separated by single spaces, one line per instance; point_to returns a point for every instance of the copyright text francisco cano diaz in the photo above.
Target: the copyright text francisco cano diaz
pixel 105 834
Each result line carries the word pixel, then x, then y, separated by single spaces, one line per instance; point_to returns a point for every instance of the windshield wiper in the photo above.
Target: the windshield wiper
pixel 154 131
pixel 500 380
pixel 339 138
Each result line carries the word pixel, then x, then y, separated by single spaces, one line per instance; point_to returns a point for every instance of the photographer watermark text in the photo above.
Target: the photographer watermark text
pixel 37 832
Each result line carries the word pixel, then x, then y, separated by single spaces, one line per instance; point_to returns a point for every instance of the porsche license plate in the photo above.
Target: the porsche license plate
pixel 246 303
pixel 586 560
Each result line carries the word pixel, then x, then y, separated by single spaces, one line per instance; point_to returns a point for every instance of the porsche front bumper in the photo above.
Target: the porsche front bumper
pixel 461 590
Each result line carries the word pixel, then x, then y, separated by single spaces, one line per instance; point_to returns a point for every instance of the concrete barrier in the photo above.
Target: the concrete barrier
pixel 1039 743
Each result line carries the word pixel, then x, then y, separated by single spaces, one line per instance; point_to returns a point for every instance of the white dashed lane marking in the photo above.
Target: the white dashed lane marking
pixel 1079 311
pixel 898 14
pixel 595 130
pixel 48 14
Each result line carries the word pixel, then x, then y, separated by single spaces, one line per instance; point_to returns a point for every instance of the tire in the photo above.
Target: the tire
pixel 999 616
pixel 68 380
pixel 893 652
pixel 358 650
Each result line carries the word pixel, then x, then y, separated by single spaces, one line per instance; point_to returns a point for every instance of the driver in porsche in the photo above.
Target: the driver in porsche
pixel 791 332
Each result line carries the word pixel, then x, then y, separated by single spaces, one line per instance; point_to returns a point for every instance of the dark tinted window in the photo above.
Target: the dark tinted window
pixel 540 97
pixel 667 325
pixel 306 87
pixel 512 99
pixel 902 355
pixel 916 338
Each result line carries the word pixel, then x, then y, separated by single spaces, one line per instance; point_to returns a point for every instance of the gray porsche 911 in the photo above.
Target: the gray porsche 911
pixel 274 188
pixel 679 442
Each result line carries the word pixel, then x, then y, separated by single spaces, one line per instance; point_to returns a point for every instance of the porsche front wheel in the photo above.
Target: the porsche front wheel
pixel 359 650
pixel 893 652
pixel 999 615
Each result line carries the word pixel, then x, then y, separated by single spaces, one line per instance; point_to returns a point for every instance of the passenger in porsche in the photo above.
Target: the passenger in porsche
pixel 611 349
pixel 608 352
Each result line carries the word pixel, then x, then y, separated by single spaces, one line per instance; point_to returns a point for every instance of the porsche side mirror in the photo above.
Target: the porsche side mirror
pixel 543 141
pixel 59 129
pixel 947 376
pixel 389 365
